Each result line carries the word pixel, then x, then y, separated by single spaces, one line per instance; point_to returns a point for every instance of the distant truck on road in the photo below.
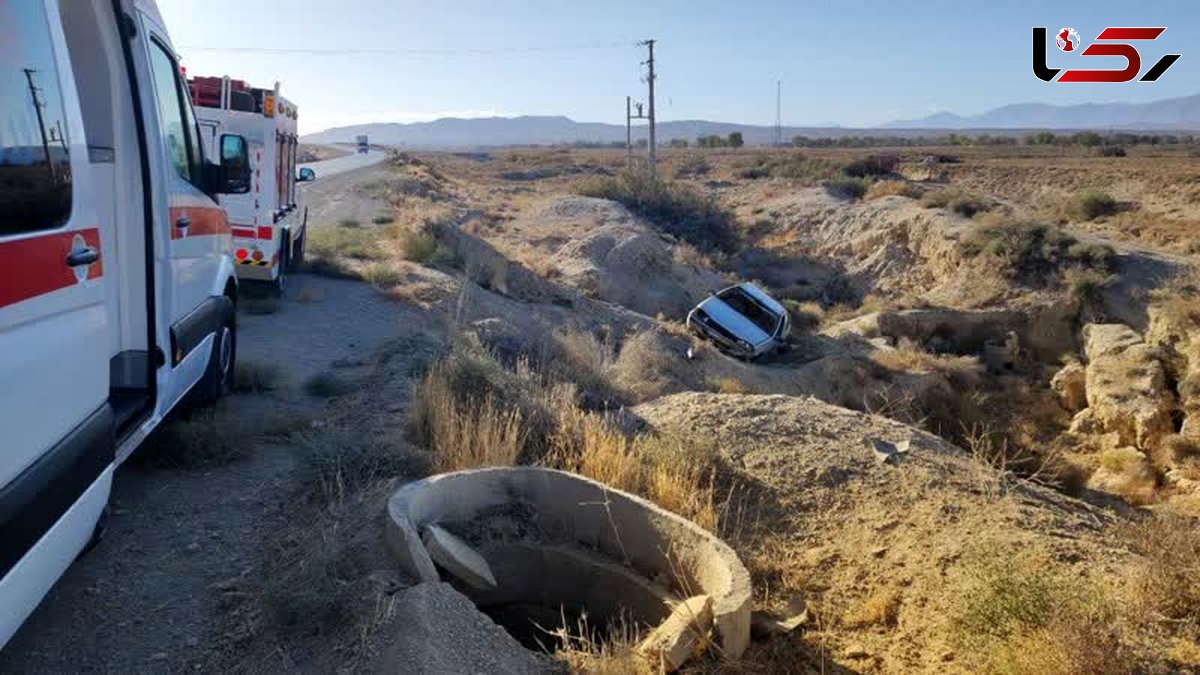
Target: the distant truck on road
pixel 363 146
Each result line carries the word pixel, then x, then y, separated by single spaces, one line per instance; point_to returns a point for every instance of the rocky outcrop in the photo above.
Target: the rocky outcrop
pixel 1177 336
pixel 1126 388
pixel 1070 385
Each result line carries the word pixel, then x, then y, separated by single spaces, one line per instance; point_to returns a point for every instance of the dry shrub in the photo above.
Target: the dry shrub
pixel 1088 205
pixel 255 377
pixel 872 166
pixel 1023 614
pixel 848 189
pixel 337 463
pixel 652 364
pixel 583 651
pixel 726 385
pixel 1174 451
pixel 582 357
pixel 1032 249
pixel 964 203
pixel 1126 472
pixel 893 188
pixel 422 247
pixel 965 370
pixel 1164 585
pixel 673 207
pixel 309 589
pixel 880 609
pixel 465 428
pixel 806 316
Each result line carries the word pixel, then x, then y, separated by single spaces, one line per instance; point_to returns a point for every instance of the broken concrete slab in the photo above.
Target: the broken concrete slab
pixel 458 558
pixel 682 636
pixel 406 545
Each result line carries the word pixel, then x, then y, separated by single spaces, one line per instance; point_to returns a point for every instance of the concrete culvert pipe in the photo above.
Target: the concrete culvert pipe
pixel 554 538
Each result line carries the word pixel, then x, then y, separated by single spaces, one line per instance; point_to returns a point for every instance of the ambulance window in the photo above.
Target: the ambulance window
pixel 35 166
pixel 174 113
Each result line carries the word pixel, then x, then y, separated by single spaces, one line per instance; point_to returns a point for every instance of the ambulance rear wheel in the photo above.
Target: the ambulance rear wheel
pixel 218 377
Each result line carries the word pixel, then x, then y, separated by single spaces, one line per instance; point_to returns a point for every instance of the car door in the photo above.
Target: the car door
pixel 56 330
pixel 197 226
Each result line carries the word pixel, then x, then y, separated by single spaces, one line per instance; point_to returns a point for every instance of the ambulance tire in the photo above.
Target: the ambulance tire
pixel 218 377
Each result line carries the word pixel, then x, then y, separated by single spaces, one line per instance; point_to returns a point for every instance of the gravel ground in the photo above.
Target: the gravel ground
pixel 151 596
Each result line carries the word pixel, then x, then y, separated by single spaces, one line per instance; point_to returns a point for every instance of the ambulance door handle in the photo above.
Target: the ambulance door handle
pixel 183 222
pixel 84 256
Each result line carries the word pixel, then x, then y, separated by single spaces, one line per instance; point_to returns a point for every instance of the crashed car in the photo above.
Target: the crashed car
pixel 742 320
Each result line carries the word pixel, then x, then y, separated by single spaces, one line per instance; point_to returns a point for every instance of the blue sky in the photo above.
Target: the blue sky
pixel 848 63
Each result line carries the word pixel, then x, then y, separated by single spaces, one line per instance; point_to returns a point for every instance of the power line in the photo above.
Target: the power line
pixel 390 51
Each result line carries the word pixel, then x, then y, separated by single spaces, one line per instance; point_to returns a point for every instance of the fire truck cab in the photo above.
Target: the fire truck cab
pixel 117 287
pixel 268 222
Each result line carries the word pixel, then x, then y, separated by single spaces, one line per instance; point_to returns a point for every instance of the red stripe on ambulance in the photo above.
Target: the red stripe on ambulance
pixel 38 265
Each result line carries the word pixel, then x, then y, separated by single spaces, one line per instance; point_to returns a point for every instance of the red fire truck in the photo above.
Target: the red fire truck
pixel 268 223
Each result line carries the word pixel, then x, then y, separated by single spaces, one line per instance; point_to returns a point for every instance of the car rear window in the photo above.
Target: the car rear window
pixel 35 166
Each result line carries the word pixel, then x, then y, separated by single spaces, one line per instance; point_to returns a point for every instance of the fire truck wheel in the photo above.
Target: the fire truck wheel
pixel 297 257
pixel 280 282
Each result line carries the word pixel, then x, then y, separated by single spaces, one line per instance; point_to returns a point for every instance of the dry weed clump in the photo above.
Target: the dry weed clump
pixel 677 209
pixel 962 202
pixel 1027 615
pixel 791 166
pixel 423 248
pixel 1032 250
pixel 849 189
pixel 1164 585
pixel 1087 205
pixel 893 188
pixel 470 411
pixel 256 377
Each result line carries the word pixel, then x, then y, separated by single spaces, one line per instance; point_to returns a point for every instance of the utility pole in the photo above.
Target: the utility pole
pixel 778 113
pixel 650 81
pixel 37 107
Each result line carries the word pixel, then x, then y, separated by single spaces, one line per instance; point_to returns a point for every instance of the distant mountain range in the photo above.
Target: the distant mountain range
pixel 1181 113
pixel 1168 114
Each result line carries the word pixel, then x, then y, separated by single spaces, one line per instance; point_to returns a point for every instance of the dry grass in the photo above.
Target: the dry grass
pixel 962 202
pixel 328 384
pixel 461 415
pixel 910 358
pixel 726 385
pixel 422 247
pixel 879 609
pixel 215 436
pixel 465 435
pixel 582 651
pixel 1164 585
pixel 673 207
pixel 1024 614
pixel 1087 205
pixel 254 377
pixel 337 463
pixel 893 188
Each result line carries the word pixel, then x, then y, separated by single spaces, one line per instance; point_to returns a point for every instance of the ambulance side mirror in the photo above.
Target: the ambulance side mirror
pixel 307 175
pixel 234 175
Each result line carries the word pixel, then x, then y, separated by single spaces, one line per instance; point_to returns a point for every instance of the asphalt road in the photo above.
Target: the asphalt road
pixel 332 167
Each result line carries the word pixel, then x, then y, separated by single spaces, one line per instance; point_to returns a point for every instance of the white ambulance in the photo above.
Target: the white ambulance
pixel 268 222
pixel 117 286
